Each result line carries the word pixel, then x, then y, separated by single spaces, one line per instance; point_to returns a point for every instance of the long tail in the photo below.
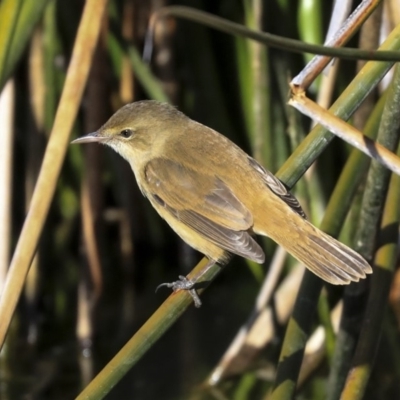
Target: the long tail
pixel 325 256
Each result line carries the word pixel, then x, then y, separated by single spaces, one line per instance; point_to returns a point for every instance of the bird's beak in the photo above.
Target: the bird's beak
pixel 93 137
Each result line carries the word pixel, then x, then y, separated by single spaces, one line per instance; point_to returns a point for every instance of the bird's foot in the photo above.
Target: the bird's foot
pixel 184 284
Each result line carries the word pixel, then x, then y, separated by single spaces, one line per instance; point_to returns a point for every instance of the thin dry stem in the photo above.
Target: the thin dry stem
pixel 309 73
pixel 74 85
pixel 346 132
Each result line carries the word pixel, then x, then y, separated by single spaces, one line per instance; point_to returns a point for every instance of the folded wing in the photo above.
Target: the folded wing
pixel 205 204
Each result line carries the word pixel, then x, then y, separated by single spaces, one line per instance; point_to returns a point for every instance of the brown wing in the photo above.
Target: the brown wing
pixel 276 186
pixel 205 204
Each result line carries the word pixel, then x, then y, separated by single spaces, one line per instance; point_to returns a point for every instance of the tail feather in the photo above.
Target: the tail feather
pixel 328 258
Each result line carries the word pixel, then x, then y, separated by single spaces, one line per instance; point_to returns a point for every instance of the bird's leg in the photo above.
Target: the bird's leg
pixel 188 284
pixel 184 284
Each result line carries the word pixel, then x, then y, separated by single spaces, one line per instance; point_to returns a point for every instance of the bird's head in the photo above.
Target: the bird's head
pixel 137 130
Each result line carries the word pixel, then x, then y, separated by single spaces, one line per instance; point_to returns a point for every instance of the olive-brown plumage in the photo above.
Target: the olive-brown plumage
pixel 214 195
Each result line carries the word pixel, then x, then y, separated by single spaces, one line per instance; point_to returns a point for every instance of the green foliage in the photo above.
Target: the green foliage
pixel 103 250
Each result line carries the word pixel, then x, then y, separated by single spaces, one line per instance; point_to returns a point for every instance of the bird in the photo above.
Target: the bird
pixel 215 196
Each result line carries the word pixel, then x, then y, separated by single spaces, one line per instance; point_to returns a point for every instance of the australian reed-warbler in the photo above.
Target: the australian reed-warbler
pixel 214 195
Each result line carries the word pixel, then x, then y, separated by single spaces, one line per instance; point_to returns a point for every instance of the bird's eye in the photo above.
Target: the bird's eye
pixel 126 133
